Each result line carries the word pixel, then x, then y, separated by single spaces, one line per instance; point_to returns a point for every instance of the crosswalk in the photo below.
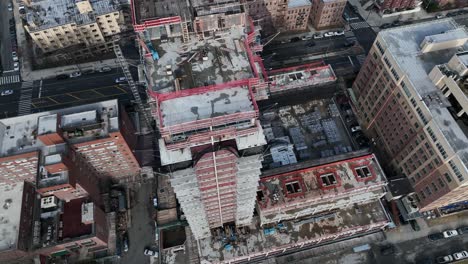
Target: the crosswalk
pixel 359 25
pixel 24 107
pixel 9 79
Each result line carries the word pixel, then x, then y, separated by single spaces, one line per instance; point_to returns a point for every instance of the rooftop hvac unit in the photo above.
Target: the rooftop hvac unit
pixel 410 204
pixel 49 202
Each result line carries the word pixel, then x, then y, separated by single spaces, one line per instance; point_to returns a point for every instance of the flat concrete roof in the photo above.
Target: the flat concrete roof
pixel 298 3
pixel 199 63
pixel 206 105
pixel 11 199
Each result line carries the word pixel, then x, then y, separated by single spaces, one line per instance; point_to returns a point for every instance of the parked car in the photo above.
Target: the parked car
pixel 318 36
pixel 155 202
pixel 444 259
pixel 349 43
pixel 355 129
pixel 439 16
pixel 462 230
pixel 61 77
pixel 387 250
pixel 386 25
pixel 91 71
pixel 295 39
pixel 14 56
pixel 414 225
pixel 339 33
pixel 306 37
pixel 6 92
pixel 16 66
pixel 450 233
pixel 105 69
pixel 329 34
pixel 120 79
pixel 436 236
pixel 75 74
pixel 460 255
pixel 150 252
pixel 10 7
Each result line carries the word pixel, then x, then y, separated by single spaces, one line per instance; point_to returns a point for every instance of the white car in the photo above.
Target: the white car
pixel 105 69
pixel 329 34
pixel 338 33
pixel 120 80
pixel 75 74
pixel 318 36
pixel 355 129
pixel 6 92
pixel 450 233
pixel 460 255
pixel 149 252
pixel 16 66
pixel 10 7
pixel 14 55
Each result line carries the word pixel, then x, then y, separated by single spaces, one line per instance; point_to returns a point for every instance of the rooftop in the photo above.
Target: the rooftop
pixel 45 14
pixel 206 105
pixel 72 220
pixel 199 63
pixel 148 10
pixel 11 198
pixel 404 44
pixel 24 134
pixel 314 127
pixel 298 3
pixel 256 241
pixel 292 193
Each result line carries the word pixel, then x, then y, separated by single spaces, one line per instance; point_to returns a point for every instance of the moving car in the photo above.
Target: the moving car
pixel 150 252
pixel 310 44
pixel 450 233
pixel 120 79
pixel 436 236
pixel 16 66
pixel 6 92
pixel 349 43
pixel 460 255
pixel 444 259
pixel 75 74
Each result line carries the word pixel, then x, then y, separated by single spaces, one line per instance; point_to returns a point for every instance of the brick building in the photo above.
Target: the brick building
pixel 411 101
pixel 327 13
pixel 395 4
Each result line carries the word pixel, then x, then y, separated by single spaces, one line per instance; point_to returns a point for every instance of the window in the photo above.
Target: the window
pixel 441 150
pixel 448 178
pixel 379 46
pixel 421 115
pixel 293 187
pixel 441 182
pixel 456 171
pixel 431 133
pixel 434 186
pixel 428 191
pixel 395 74
pixel 328 179
pixel 405 89
pixel 363 172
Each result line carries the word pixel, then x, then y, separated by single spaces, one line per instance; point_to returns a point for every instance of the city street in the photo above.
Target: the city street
pixel 5 45
pixel 141 232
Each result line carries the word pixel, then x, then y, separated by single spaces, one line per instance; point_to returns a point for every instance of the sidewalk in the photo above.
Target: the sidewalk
pixel 406 233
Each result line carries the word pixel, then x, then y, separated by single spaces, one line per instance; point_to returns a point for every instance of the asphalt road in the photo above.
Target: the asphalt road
pixel 141 232
pixel 52 94
pixel 5 46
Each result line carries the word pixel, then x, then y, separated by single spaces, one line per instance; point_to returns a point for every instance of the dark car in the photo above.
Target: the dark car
pixel 311 44
pixel 348 43
pixel 387 250
pixel 62 77
pixel 386 25
pixel 295 39
pixel 414 225
pixel 463 230
pixel 436 236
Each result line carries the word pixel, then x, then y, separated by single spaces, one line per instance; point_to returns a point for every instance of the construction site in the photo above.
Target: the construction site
pixel 204 73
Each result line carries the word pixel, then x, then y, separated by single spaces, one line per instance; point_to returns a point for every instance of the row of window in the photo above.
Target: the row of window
pixel 433 188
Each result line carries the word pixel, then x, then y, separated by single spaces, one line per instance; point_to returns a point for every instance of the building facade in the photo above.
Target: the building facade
pixel 55 25
pixel 395 5
pixel 327 13
pixel 412 105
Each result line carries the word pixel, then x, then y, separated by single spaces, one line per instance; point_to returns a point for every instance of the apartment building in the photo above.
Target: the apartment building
pixel 395 4
pixel 410 95
pixel 54 25
pixel 285 15
pixel 327 13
